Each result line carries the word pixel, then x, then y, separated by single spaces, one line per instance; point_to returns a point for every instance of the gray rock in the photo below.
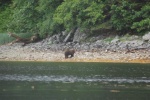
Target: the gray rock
pixel 122 45
pixel 70 35
pixel 85 46
pixel 78 36
pixel 146 37
pixel 136 43
pixel 98 44
pixel 133 37
pixel 115 40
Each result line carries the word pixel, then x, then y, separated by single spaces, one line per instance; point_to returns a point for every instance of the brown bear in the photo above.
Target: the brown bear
pixel 69 53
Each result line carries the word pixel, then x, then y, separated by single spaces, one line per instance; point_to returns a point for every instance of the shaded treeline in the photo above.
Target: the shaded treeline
pixel 53 16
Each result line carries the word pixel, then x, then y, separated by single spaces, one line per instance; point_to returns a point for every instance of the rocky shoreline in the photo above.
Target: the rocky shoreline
pixel 32 52
pixel 115 49
pixel 17 53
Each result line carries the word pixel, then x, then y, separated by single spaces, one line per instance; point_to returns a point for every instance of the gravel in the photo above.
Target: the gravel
pixel 55 52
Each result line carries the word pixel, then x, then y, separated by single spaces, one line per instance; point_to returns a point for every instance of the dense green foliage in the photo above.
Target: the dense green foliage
pixel 54 16
pixel 25 16
pixel 5 15
pixel 131 15
pixel 77 13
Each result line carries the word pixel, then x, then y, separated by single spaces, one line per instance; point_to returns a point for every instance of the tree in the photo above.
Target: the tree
pixel 25 16
pixel 5 15
pixel 54 16
pixel 78 13
pixel 47 8
pixel 130 16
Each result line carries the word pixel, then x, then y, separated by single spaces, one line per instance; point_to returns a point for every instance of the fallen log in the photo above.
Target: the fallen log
pixel 133 50
pixel 32 39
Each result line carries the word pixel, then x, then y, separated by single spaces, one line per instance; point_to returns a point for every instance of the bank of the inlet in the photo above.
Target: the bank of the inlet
pixel 135 49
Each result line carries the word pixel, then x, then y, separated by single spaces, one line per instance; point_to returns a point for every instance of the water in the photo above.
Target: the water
pixel 74 81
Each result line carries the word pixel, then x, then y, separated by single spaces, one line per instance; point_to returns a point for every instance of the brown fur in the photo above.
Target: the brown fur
pixel 69 53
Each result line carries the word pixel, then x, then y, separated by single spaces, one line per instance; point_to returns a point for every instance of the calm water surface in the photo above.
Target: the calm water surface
pixel 74 81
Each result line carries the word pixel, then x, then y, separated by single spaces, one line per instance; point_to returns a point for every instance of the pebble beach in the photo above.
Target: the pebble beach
pixel 16 52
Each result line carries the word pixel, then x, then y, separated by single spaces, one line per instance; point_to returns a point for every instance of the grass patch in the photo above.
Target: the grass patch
pixel 109 39
pixel 4 38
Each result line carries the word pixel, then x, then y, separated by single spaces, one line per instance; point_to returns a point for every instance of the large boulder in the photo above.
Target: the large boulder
pixel 146 37
pixel 70 36
pixel 78 35
pixel 115 40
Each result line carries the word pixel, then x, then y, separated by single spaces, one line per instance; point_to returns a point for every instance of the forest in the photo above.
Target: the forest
pixel 53 16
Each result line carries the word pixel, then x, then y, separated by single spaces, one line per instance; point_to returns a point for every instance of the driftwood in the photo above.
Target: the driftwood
pixel 32 39
pixel 134 49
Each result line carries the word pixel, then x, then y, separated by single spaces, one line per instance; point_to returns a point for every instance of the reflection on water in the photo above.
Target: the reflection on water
pixel 74 81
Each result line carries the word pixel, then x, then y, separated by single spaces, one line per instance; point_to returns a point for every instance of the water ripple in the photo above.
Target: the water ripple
pixel 72 79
